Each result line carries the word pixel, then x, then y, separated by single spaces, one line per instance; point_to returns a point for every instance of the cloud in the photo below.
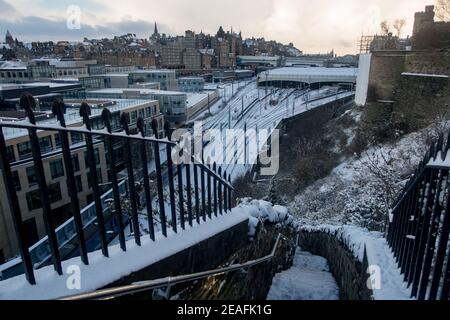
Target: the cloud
pixel 313 26
pixel 33 28
pixel 7 11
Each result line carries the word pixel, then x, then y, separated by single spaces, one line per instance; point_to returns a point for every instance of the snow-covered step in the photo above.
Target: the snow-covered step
pixel 308 279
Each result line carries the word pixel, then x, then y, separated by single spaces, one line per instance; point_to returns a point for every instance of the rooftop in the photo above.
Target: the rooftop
pixel 154 71
pixel 72 115
pixel 310 74
pixel 194 98
pixel 141 91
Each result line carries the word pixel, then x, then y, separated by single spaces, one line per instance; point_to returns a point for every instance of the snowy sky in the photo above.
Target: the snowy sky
pixel 313 26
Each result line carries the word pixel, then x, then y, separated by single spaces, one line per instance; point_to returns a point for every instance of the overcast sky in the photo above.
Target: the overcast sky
pixel 312 25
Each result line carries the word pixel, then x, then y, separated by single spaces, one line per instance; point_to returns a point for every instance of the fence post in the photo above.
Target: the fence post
pixel 188 192
pixel 162 211
pixel 58 109
pixel 225 191
pixel 28 103
pixel 170 176
pixel 106 118
pixel 208 176
pixel 219 189
pixel 215 187
pixel 140 124
pixel 197 196
pixel 85 112
pixel 230 194
pixel 202 184
pixel 131 181
pixel 15 210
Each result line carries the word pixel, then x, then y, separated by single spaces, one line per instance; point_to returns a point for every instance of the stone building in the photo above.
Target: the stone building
pixel 172 55
pixel 192 58
pixel 390 71
pixel 429 34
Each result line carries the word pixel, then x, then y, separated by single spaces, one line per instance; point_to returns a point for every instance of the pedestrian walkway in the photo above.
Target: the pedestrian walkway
pixel 308 279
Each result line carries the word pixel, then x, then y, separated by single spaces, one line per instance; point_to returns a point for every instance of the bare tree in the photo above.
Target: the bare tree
pixel 385 28
pixel 443 10
pixel 398 25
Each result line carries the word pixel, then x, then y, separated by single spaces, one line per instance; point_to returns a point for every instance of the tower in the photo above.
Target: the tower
pixel 155 36
pixel 9 39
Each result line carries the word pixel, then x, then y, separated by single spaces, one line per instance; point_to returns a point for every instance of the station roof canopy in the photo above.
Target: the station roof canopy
pixel 310 75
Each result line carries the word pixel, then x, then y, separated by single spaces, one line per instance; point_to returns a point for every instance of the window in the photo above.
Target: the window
pixel 10 153
pixel 33 200
pixel 79 183
pixel 16 180
pixel 31 174
pixel 56 168
pixel 99 178
pixel 99 175
pixel 75 163
pixel 57 140
pixel 54 192
pixel 46 144
pixel 133 116
pixel 24 149
pixel 96 156
pixel 76 137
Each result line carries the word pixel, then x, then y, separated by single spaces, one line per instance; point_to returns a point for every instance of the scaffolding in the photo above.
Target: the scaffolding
pixel 364 43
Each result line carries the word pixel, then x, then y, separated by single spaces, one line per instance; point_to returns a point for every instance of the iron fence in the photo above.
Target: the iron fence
pixel 211 187
pixel 419 226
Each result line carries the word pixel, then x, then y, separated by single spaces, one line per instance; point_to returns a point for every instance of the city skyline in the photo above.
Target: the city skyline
pixel 312 27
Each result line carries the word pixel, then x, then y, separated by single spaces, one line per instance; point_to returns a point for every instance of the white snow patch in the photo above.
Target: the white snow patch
pixel 308 279
pixel 378 254
pixel 102 271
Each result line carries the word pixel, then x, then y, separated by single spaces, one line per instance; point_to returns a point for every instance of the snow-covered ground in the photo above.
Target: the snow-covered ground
pixel 308 279
pixel 362 188
pixel 387 281
pixel 102 271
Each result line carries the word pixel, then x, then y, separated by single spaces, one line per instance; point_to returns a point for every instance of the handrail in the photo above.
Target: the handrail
pixel 137 287
pixel 419 226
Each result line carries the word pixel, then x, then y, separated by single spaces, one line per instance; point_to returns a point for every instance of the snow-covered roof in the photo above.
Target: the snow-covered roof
pixel 310 75
pixel 141 91
pixel 11 64
pixel 194 98
pixel 207 51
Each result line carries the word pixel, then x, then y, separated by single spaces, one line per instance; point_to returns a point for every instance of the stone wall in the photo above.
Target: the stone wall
pixel 205 255
pixel 434 62
pixel 386 70
pixel 349 272
pixel 253 283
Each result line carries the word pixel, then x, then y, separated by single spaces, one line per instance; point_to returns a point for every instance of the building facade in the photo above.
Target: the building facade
pixel 172 103
pixel 166 78
pixel 191 84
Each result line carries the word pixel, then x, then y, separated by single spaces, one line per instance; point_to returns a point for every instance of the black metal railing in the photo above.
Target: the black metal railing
pixel 419 226
pixel 136 150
